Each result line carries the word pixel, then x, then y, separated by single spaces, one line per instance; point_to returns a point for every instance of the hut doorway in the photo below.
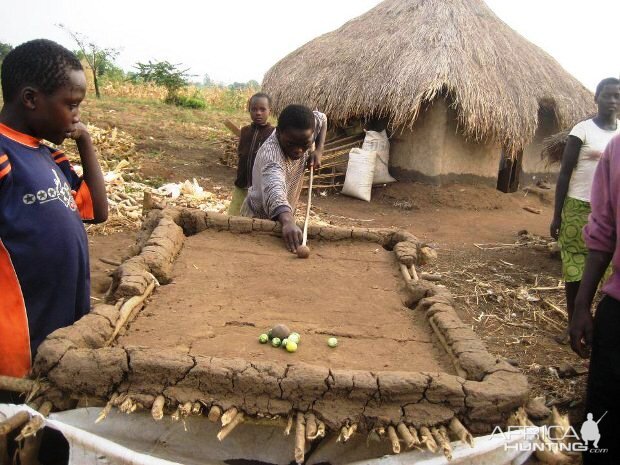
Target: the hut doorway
pixel 509 172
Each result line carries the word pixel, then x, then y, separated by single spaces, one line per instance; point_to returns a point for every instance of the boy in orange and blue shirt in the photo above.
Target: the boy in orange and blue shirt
pixel 44 268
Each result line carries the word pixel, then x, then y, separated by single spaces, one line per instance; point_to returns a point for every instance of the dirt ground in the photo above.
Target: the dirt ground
pixel 228 289
pixel 177 145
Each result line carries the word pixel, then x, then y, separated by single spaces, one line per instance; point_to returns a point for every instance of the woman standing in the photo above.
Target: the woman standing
pixel 584 148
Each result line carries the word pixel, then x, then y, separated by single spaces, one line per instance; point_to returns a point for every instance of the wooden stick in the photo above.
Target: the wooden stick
pixel 214 414
pixel 300 438
pixel 109 261
pixel 157 410
pixel 461 432
pixel 305 234
pixel 311 427
pixel 230 426
pixel 106 410
pixel 229 415
pixel 426 438
pixel 232 127
pixel 127 309
pixel 16 421
pixel 406 436
pixel 393 439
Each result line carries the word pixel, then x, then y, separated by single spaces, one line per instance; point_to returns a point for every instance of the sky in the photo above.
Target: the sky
pixel 239 40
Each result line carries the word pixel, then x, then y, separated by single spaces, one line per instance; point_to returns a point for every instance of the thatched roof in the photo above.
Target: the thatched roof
pixel 403 54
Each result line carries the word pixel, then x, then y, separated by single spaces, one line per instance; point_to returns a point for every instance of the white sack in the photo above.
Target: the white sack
pixel 378 142
pixel 360 172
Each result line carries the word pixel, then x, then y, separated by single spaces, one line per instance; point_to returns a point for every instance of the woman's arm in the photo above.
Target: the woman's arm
pixel 569 161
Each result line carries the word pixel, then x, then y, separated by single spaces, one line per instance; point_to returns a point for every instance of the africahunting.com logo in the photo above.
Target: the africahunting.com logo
pixel 553 438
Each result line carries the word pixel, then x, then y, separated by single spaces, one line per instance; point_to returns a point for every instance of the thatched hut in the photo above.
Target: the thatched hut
pixel 462 92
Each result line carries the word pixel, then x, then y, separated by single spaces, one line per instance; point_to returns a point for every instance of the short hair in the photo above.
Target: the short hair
pixel 296 117
pixel 259 95
pixel 39 63
pixel 612 81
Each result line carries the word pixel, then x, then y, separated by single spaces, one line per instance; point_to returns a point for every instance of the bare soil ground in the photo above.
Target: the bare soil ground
pixel 176 145
pixel 228 289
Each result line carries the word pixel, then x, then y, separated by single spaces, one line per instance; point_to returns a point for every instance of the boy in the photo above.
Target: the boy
pixel 279 169
pixel 250 140
pixel 602 333
pixel 44 269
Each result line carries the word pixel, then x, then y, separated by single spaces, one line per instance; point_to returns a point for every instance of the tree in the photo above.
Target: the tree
pixel 162 73
pixel 4 50
pixel 96 57
pixel 207 81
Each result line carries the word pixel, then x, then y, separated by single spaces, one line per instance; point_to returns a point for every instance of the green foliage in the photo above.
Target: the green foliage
pixel 252 84
pixel 162 73
pixel 105 64
pixel 195 101
pixel 4 50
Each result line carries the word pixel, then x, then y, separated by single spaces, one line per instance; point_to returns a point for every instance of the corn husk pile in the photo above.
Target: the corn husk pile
pixel 125 187
pixel 227 145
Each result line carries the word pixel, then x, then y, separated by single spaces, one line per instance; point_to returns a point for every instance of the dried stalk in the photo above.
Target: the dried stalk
pixel 9 383
pixel 311 427
pixel 393 439
pixel 441 438
pixel 16 421
pixel 106 410
pixel 300 438
pixel 405 272
pixel 127 309
pixel 414 435
pixel 230 426
pixel 196 408
pixel 214 414
pixel 406 436
pixel 157 410
pixel 320 431
pixel 461 432
pixel 426 439
pixel 229 416
pixel 289 425
pixel 128 406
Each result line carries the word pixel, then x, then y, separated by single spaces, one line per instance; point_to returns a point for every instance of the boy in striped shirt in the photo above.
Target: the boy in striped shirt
pixel 278 172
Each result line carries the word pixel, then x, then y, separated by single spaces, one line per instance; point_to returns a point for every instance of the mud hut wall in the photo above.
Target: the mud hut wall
pixel 534 167
pixel 434 151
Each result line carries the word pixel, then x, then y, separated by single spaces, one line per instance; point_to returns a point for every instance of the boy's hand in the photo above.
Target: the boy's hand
pixel 292 236
pixel 315 159
pixel 79 132
pixel 580 330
